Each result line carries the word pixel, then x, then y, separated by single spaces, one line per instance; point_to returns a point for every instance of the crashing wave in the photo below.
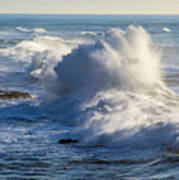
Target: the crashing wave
pixel 113 93
pixel 120 60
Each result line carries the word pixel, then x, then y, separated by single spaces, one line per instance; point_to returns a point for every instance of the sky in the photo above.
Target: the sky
pixel 90 6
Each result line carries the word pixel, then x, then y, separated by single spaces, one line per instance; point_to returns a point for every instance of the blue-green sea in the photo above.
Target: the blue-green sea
pixel 110 83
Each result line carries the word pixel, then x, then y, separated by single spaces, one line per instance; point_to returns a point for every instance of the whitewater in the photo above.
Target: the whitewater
pixel 110 83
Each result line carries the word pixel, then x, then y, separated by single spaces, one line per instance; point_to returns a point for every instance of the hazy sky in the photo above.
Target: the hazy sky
pixel 90 6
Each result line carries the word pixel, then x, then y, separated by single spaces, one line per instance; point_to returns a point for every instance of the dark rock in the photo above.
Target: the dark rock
pixel 14 95
pixel 68 141
pixel 174 151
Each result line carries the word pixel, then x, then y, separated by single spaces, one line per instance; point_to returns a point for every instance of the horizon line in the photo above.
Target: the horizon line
pixel 89 14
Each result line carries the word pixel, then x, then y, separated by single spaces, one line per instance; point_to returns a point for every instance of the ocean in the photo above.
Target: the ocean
pixel 109 83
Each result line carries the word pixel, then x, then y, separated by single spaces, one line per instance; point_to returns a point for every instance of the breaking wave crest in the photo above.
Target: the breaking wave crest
pixel 35 30
pixel 36 57
pixel 120 60
pixel 112 92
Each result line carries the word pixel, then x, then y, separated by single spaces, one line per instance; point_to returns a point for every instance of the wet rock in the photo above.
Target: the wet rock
pixel 4 95
pixel 174 151
pixel 68 141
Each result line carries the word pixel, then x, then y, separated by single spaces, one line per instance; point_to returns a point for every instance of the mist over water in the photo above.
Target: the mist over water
pixel 123 59
pixel 112 86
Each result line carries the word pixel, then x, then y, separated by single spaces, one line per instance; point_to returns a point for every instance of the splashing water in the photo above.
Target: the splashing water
pixel 120 60
pixel 116 93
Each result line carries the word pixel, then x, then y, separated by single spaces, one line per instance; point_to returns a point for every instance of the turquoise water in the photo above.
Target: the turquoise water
pixel 110 81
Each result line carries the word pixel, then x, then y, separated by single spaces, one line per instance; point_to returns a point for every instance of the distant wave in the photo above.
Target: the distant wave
pixel 166 30
pixel 35 30
pixel 88 33
pixel 91 33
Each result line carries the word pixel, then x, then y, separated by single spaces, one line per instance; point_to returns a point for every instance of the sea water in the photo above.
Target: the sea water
pixel 109 81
